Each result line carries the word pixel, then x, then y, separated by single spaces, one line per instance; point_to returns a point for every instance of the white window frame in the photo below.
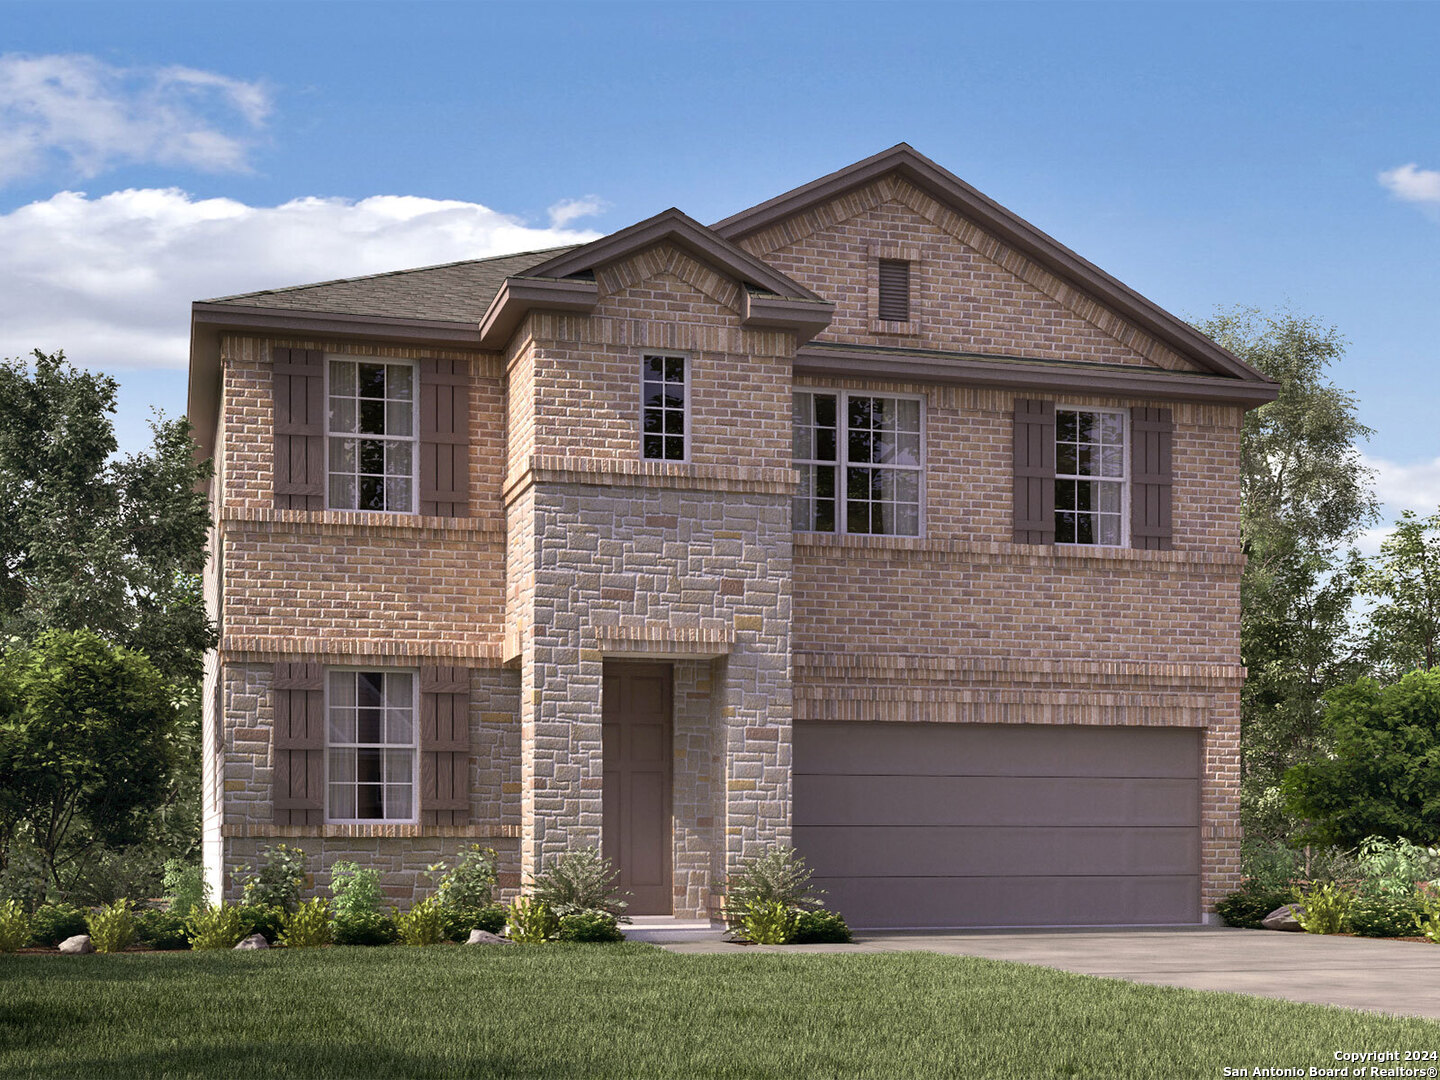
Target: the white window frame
pixel 414 674
pixel 842 458
pixel 687 359
pixel 413 438
pixel 1123 480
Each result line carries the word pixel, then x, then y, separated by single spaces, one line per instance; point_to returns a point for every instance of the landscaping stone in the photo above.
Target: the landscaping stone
pixel 484 937
pixel 254 941
pixel 80 943
pixel 1283 918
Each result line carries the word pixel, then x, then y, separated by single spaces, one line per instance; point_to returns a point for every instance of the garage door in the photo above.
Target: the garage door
pixel 916 825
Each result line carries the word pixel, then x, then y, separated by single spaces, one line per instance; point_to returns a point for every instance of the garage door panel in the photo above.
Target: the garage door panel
pixel 919 851
pixel 1013 901
pixel 839 799
pixel 904 749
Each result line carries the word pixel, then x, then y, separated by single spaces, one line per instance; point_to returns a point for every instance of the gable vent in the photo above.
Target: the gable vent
pixel 894 290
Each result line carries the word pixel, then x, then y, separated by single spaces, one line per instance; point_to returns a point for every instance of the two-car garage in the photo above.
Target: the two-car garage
pixel 970 825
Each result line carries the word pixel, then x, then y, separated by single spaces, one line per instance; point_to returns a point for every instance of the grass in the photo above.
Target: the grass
pixel 635 1011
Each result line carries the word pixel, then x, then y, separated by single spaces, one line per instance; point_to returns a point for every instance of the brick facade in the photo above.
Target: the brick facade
pixel 577 552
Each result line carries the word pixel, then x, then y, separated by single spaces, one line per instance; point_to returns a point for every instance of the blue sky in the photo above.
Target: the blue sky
pixel 1206 154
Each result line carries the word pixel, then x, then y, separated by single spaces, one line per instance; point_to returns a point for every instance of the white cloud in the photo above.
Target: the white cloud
pixel 1414 486
pixel 1412 183
pixel 567 210
pixel 87 116
pixel 110 279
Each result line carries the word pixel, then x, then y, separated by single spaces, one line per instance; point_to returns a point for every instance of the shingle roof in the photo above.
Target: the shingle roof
pixel 452 292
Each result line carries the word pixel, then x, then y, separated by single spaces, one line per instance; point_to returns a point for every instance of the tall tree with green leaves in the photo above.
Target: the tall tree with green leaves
pixel 1403 625
pixel 1307 496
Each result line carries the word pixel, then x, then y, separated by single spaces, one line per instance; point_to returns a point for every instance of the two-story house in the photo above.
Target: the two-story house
pixel 870 519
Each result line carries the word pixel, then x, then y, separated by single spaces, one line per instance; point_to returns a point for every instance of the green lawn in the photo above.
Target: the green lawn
pixel 636 1011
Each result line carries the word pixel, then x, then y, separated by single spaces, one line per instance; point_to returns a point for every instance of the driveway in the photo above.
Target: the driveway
pixel 1401 977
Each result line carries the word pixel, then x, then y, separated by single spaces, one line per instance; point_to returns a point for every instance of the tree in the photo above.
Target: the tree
pixel 1381 776
pixel 1404 624
pixel 85 745
pixel 1306 499
pixel 89 540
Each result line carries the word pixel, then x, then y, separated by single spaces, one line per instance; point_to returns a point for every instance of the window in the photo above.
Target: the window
pixel 663 422
pixel 371 435
pixel 860 464
pixel 1090 477
pixel 894 302
pixel 370 746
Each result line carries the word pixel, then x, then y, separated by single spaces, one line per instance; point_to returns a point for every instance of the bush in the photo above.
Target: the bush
pixel 53 923
pixel 423 924
pixel 266 921
pixel 1427 918
pixel 777 877
pixel 577 882
pixel 14 926
pixel 821 927
pixel 530 921
pixel 277 881
pixel 112 927
pixel 1326 909
pixel 1385 916
pixel 1248 906
pixel 471 885
pixel 162 930
pixel 308 927
pixel 458 924
pixel 184 886
pixel 219 927
pixel 769 923
pixel 365 928
pixel 589 926
pixel 356 889
pixel 1392 868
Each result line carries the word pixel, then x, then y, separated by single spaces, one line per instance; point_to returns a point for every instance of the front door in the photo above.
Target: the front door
pixel 638 750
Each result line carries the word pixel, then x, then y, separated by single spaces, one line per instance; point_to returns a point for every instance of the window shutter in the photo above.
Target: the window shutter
pixel 1034 471
pixel 299 744
pixel 299 379
pixel 894 303
pixel 445 746
pixel 445 437
pixel 1152 436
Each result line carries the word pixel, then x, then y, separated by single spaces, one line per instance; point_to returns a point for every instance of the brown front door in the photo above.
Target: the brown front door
pixel 638 750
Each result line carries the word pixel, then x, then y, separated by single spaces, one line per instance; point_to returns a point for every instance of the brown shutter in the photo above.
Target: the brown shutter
pixel 299 744
pixel 299 379
pixel 1152 435
pixel 1034 471
pixel 894 303
pixel 445 437
pixel 444 746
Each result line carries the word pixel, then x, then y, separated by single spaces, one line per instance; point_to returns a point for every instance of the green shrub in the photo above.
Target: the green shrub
pixel 162 930
pixel 112 927
pixel 530 921
pixel 777 877
pixel 1427 915
pixel 458 924
pixel 53 923
pixel 423 924
pixel 579 881
pixel 277 880
pixel 308 926
pixel 589 926
pixel 14 926
pixel 1326 909
pixel 219 927
pixel 1385 916
pixel 356 889
pixel 470 886
pixel 266 921
pixel 820 927
pixel 1248 906
pixel 365 928
pixel 1392 868
pixel 769 923
pixel 184 886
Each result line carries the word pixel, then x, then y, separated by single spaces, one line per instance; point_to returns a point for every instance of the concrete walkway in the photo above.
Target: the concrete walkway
pixel 1400 977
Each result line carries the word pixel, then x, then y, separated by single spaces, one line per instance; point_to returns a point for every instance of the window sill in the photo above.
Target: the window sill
pixel 337 832
pixel 357 520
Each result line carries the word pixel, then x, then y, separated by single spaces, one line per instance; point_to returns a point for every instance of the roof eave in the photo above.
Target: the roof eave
pixel 518 296
pixel 805 318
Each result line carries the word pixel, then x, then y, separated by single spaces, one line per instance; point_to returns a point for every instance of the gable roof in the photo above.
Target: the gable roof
pixel 905 161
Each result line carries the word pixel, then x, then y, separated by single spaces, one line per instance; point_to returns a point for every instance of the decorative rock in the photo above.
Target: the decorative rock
pixel 80 943
pixel 254 941
pixel 484 937
pixel 1283 918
